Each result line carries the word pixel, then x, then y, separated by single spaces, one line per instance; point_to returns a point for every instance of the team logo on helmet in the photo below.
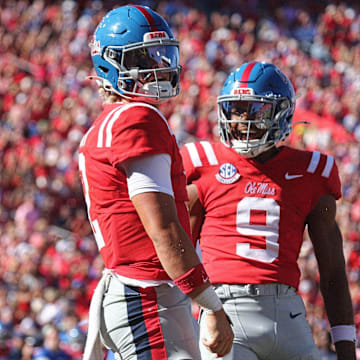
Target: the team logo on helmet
pixel 95 47
pixel 242 91
pixel 227 174
pixel 155 35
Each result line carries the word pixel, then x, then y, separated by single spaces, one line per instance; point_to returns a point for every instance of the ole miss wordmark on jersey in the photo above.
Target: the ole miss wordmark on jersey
pixel 256 213
pixel 122 132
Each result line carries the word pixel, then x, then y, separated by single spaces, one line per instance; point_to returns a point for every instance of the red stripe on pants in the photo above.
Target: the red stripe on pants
pixel 152 323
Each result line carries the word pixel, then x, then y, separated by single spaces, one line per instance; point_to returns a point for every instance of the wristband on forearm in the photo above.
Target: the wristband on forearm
pixel 343 333
pixel 192 279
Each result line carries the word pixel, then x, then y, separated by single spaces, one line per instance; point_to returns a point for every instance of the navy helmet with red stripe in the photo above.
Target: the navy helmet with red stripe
pixel 255 108
pixel 135 55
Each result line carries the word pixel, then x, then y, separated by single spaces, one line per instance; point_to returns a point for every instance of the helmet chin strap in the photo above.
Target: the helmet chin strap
pixel 250 152
pixel 102 83
pixel 159 91
pixel 98 79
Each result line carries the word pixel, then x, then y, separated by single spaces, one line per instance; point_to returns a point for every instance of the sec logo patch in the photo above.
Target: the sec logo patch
pixel 227 174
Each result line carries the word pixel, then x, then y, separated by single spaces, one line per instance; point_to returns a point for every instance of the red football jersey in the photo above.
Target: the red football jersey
pixel 256 213
pixel 123 132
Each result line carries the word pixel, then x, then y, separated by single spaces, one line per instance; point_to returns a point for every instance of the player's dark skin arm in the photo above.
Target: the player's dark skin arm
pixel 158 214
pixel 328 246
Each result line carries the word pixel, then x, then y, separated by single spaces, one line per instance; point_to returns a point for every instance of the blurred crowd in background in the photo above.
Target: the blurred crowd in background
pixel 49 263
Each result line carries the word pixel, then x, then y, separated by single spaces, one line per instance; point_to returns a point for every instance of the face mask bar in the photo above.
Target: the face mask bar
pixel 154 71
pixel 257 113
pixel 260 113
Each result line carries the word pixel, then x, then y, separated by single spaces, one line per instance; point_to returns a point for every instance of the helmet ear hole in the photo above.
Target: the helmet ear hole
pixel 104 69
pixel 113 55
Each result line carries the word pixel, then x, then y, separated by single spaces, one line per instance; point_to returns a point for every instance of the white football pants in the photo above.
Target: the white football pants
pixel 269 323
pixel 154 323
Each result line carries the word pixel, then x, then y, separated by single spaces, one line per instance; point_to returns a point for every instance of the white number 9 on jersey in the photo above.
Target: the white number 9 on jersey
pixel 269 230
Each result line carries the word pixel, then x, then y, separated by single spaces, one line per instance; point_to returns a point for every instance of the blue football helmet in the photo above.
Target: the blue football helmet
pixel 136 55
pixel 255 108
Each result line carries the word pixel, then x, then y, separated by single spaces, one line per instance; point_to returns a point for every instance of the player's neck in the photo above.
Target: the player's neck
pixel 267 155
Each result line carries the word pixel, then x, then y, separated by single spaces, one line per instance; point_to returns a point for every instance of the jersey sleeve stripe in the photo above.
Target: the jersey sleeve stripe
pixel 98 234
pixel 82 169
pixel 126 107
pixel 328 166
pixel 194 155
pixel 94 224
pixel 100 141
pixel 314 162
pixel 209 152
pixel 110 126
pixel 83 140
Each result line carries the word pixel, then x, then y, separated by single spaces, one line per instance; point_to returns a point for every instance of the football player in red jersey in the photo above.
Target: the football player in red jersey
pixel 250 202
pixel 135 191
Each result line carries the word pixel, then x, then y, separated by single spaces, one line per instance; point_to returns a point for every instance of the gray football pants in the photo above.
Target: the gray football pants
pixel 154 323
pixel 268 321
